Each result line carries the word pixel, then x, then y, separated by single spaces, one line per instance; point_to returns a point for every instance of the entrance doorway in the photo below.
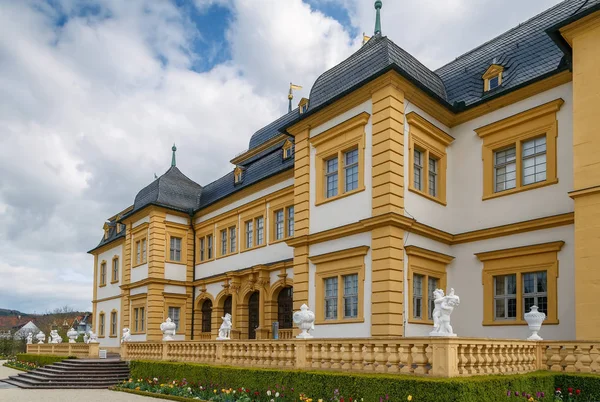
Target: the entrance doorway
pixel 253 314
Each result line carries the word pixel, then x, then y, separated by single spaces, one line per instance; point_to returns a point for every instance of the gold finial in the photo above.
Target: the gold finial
pixel 291 95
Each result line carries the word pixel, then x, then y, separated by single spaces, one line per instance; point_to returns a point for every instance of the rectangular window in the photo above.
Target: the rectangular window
pixel 249 234
pixel 115 270
pixel 232 239
pixel 103 274
pixel 260 230
pixel 433 178
pixel 534 160
pixel 288 152
pixel 175 249
pixel 350 296
pixel 493 82
pixel 505 297
pixel 418 169
pixel 174 315
pixel 144 250
pixel 139 317
pixel 202 250
pixel 290 221
pixel 209 246
pixel 331 177
pixel 224 242
pixel 351 169
pixel 418 296
pixel 331 298
pixel 138 252
pixel 113 324
pixel 535 291
pixel 279 228
pixel 432 285
pixel 505 168
pixel 101 329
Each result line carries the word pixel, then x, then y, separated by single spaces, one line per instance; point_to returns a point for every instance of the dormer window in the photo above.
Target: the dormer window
pixel 106 229
pixel 303 105
pixel 287 149
pixel 492 78
pixel 237 175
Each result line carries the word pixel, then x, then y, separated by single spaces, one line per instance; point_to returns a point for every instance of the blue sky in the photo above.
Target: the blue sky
pixel 97 91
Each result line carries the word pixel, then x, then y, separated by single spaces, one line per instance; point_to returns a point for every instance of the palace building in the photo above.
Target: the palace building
pixel 390 181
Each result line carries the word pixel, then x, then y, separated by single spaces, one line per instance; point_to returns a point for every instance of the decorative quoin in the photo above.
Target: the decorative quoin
pixel 225 329
pixel 72 335
pixel 305 320
pixel 168 329
pixel 444 305
pixel 534 319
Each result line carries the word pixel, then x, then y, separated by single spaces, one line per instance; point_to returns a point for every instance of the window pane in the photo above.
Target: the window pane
pixel 512 308
pixel 418 296
pixel 223 242
pixel 511 284
pixel 249 232
pixel 332 185
pixel 505 169
pixel 350 296
pixel 209 241
pixel 174 314
pixel 331 293
pixel 260 229
pixel 432 285
pixel 499 285
pixel 433 166
pixel 202 249
pixel 232 239
pixel 499 308
pixel 291 221
pixel 542 304
pixel 493 82
pixel 351 168
pixel 541 282
pixel 279 224
pixel 418 166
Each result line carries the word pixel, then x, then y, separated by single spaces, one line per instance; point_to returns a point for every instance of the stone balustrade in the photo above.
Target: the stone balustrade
pixel 81 350
pixel 570 356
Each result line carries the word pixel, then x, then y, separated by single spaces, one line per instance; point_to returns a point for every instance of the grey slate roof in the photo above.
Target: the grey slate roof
pixel 173 190
pixel 272 129
pixel 112 235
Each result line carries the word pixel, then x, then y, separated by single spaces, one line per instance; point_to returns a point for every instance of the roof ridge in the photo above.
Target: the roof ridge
pixel 504 33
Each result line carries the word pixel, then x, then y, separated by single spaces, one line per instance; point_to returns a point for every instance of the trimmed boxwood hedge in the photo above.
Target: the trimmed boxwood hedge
pixel 589 384
pixel 41 360
pixel 371 387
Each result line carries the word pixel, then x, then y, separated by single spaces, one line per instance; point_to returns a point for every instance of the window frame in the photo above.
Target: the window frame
pixel 339 264
pixel 427 264
pixel 176 230
pixel 253 215
pixel 514 131
pixel 432 143
pixel 203 235
pixel 227 225
pixel 138 319
pixel 287 147
pixel 103 274
pixel 115 272
pixel 283 205
pixel 334 143
pixel 493 71
pixel 114 329
pixel 520 261
pixel 101 324
pixel 176 300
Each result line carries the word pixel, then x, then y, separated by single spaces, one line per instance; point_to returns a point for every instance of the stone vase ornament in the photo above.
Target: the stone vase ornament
pixel 225 329
pixel 534 320
pixel 444 306
pixel 41 337
pixel 126 335
pixel 168 329
pixel 305 320
pixel 72 335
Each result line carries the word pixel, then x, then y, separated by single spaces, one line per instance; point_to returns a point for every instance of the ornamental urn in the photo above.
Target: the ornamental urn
pixel 305 320
pixel 168 329
pixel 72 335
pixel 534 319
pixel 41 337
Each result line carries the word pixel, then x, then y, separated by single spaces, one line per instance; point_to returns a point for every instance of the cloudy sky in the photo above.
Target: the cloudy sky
pixel 94 93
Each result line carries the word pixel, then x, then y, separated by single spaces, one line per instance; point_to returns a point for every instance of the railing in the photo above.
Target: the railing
pixel 285 334
pixel 570 356
pixel 82 350
pixel 205 336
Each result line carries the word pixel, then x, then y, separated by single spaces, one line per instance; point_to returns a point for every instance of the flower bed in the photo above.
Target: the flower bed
pixel 21 365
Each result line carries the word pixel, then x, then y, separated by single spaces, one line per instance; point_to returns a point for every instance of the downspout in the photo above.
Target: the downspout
pixel 194 271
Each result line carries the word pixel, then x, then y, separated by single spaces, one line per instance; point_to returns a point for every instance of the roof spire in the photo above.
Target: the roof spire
pixel 291 95
pixel 378 5
pixel 174 149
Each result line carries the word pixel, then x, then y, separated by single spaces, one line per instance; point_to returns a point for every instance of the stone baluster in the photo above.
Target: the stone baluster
pixel 357 357
pixel 406 361
pixel 392 358
pixel 584 361
pixel 281 355
pixel 502 360
pixel 369 357
pixel 495 350
pixel 419 358
pixel 290 355
pixel 346 356
pixel 569 358
pixel 316 355
pixel 325 356
pixel 595 358
pixel 380 363
pixel 554 359
pixel 336 356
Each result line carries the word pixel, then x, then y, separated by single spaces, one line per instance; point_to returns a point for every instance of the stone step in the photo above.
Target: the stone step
pixel 67 380
pixel 91 363
pixel 86 367
pixel 67 373
pixel 24 385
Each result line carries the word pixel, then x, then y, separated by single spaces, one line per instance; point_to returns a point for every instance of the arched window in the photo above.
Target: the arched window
pixel 206 316
pixel 253 314
pixel 285 307
pixel 227 305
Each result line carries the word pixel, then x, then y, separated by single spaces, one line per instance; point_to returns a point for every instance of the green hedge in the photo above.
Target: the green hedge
pixel 589 384
pixel 368 386
pixel 41 360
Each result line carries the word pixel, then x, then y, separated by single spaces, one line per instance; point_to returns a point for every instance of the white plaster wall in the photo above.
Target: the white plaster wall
pixel 145 219
pixel 263 255
pixel 107 307
pixel 111 289
pixel 175 271
pixel 175 289
pixel 246 200
pixel 348 209
pixel 274 278
pixel 351 330
pixel 415 205
pixel 464 275
pixel 139 290
pixel 177 219
pixel 139 273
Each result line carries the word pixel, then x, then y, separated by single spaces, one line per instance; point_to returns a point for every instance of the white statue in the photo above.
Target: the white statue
pixel 41 337
pixel 168 329
pixel 72 335
pixel 305 320
pixel 444 305
pixel 225 329
pixel 535 319
pixel 30 338
pixel 55 337
pixel 126 335
pixel 86 338
pixel 93 338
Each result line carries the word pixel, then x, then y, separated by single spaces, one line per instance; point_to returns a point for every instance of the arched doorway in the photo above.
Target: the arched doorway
pixel 285 307
pixel 253 314
pixel 227 305
pixel 206 316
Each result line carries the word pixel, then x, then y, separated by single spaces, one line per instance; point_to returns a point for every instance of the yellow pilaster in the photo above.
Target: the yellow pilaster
pixel 584 37
pixel 387 247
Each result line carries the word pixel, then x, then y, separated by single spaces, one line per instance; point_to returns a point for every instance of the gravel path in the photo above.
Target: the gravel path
pixel 10 393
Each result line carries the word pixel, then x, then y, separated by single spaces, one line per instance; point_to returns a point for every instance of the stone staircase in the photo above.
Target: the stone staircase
pixel 73 374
